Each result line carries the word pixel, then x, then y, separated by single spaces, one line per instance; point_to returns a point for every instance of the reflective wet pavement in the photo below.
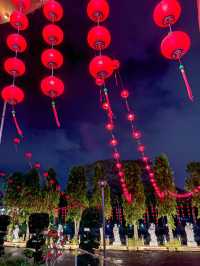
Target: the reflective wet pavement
pixel 143 259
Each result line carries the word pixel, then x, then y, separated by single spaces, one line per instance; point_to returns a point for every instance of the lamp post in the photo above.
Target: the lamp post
pixel 102 184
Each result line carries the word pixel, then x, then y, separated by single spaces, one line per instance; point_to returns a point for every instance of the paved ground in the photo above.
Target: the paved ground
pixel 144 259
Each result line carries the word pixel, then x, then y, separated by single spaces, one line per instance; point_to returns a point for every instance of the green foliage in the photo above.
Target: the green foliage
pixel 7 261
pixel 164 178
pixel 96 199
pixel 192 181
pixel 134 211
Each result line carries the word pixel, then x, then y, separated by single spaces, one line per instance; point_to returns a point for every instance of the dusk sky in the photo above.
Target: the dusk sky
pixel 168 120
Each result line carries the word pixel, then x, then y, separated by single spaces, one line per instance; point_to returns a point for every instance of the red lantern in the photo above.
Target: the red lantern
pixel 16 42
pixel 53 11
pixel 116 64
pixel 53 34
pixel 116 155
pixel 99 82
pixel 22 5
pixel 16 141
pixel 52 58
pixel 167 12
pixel 101 67
pixel 14 66
pixel 113 142
pixel 125 94
pixel 174 46
pixel 53 87
pixel 19 21
pixel 12 94
pixel 99 38
pixel 131 117
pixel 137 134
pixel 98 10
pixel 28 155
pixel 118 165
pixel 37 165
pixel 109 127
pixel 141 148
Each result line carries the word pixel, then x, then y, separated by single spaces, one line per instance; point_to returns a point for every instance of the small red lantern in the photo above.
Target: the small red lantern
pixel 16 141
pixel 99 38
pixel 174 46
pixel 116 64
pixel 167 12
pixel 16 42
pixel 53 87
pixel 116 155
pixel 125 94
pixel 22 5
pixel 101 67
pixel 14 66
pixel 113 142
pixel 109 126
pixel 52 58
pixel 131 117
pixel 37 165
pixel 105 106
pixel 98 10
pixel 52 181
pixel 136 134
pixel 141 148
pixel 19 21
pixel 28 155
pixel 118 165
pixel 53 11
pixel 52 34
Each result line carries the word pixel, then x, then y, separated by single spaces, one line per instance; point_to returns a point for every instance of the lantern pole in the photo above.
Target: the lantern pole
pixel 2 120
pixel 102 185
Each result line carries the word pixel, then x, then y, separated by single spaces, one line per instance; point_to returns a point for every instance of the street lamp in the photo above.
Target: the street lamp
pixel 103 184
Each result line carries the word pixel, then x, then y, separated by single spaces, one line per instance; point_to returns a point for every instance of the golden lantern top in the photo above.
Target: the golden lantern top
pixel 6 8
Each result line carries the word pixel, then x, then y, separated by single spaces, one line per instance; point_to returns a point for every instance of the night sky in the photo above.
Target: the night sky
pixel 170 122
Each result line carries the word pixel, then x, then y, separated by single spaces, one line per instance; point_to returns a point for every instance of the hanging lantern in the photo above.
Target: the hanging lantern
pixel 167 13
pixel 101 67
pixel 16 42
pixel 52 58
pixel 125 94
pixel 53 87
pixel 14 66
pixel 22 5
pixel 99 38
pixel 19 21
pixel 37 165
pixel 12 94
pixel 52 34
pixel 137 134
pixel 28 155
pixel 98 10
pixel 53 11
pixel 16 141
pixel 174 46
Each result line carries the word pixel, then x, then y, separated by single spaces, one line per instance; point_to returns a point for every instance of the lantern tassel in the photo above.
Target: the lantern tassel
pixel 19 131
pixel 2 120
pixel 55 114
pixel 198 10
pixel 110 112
pixel 189 90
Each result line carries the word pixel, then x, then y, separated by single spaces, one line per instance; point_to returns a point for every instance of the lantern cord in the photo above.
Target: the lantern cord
pixel 189 90
pixel 19 131
pixel 55 114
pixel 2 120
pixel 110 112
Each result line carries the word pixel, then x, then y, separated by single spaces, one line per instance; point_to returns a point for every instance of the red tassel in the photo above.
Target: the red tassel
pixel 198 9
pixel 189 90
pixel 55 114
pixel 19 131
pixel 110 112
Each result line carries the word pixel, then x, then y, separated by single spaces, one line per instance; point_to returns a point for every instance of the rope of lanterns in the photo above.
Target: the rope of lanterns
pixel 14 66
pixel 101 68
pixel 176 43
pixel 51 58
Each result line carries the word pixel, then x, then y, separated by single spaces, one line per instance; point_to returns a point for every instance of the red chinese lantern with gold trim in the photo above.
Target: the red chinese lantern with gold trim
pixel 99 38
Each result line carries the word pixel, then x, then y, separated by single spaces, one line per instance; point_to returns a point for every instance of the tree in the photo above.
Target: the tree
pixel 77 192
pixel 96 199
pixel 165 180
pixel 192 181
pixel 135 210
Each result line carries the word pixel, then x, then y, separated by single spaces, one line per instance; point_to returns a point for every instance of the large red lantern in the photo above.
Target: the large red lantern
pixel 12 95
pixel 99 38
pixel 52 58
pixel 52 34
pixel 22 5
pixel 14 66
pixel 19 21
pixel 53 10
pixel 174 46
pixel 53 87
pixel 98 10
pixel 167 13
pixel 101 67
pixel 16 42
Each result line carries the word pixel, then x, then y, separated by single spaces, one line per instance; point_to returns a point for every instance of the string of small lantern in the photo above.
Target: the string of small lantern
pixel 101 68
pixel 14 66
pixel 51 58
pixel 165 12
